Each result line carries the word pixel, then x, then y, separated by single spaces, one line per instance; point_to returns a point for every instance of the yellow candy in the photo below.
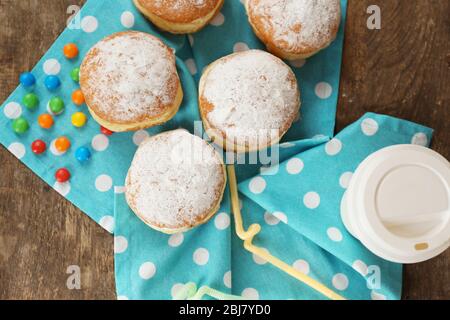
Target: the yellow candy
pixel 79 119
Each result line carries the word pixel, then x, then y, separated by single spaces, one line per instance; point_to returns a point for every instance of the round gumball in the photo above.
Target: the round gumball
pixel 30 101
pixel 62 175
pixel 78 97
pixel 52 83
pixel 75 74
pixel 105 131
pixel 62 144
pixel 56 105
pixel 45 121
pixel 79 119
pixel 38 147
pixel 71 50
pixel 83 154
pixel 20 125
pixel 27 79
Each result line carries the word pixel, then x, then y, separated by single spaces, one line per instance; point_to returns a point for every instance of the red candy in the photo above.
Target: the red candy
pixel 105 131
pixel 38 147
pixel 62 175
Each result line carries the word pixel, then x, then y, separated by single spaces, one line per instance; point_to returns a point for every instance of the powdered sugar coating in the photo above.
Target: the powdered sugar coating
pixel 180 10
pixel 129 77
pixel 251 97
pixel 176 181
pixel 296 25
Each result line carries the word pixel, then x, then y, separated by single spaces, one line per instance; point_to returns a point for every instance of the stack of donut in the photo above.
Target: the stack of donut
pixel 247 100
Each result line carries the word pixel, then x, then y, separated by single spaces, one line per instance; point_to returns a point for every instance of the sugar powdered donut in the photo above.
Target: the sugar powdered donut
pixel 295 29
pixel 248 100
pixel 176 181
pixel 179 16
pixel 130 82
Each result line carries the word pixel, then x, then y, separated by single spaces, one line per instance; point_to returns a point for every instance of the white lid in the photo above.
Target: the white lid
pixel 398 203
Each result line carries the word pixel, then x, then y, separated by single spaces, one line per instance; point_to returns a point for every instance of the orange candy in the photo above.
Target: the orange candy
pixel 78 97
pixel 45 121
pixel 62 144
pixel 70 50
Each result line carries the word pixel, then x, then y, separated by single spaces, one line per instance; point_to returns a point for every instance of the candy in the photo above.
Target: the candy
pixel 52 82
pixel 62 175
pixel 83 154
pixel 56 105
pixel 30 101
pixel 79 119
pixel 78 97
pixel 27 79
pixel 105 131
pixel 70 50
pixel 45 121
pixel 75 74
pixel 38 147
pixel 62 144
pixel 20 125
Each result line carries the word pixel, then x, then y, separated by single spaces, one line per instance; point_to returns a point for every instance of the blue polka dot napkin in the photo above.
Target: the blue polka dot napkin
pixel 298 202
pixel 153 265
pixel 150 265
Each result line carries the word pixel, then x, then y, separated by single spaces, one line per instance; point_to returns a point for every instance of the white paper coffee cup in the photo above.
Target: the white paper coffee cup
pixel 398 204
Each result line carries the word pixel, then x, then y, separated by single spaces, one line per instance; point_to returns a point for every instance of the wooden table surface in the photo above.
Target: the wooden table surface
pixel 401 70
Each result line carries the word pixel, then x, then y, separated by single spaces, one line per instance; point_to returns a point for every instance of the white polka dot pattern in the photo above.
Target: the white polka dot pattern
pixel 89 24
pixel 17 149
pixel 12 110
pixel 201 256
pixel 257 185
pixel 120 244
pixel 103 183
pixel 340 281
pixel 127 19
pixel 147 270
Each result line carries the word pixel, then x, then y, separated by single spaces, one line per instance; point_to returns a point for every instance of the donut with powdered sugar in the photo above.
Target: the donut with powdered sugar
pixel 130 82
pixel 176 181
pixel 295 29
pixel 248 100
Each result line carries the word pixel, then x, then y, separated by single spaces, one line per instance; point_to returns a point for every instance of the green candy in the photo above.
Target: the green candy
pixel 31 101
pixel 20 125
pixel 75 74
pixel 56 105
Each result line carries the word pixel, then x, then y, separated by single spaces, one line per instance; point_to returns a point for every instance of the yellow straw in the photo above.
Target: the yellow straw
pixel 254 229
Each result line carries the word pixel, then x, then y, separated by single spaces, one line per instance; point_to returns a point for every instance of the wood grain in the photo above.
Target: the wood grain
pixel 41 234
pixel 400 70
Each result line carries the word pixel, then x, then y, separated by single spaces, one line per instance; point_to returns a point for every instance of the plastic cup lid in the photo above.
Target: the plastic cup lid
pixel 398 203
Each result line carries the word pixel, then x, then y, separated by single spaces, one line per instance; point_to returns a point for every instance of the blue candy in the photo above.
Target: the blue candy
pixel 83 154
pixel 52 82
pixel 27 79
